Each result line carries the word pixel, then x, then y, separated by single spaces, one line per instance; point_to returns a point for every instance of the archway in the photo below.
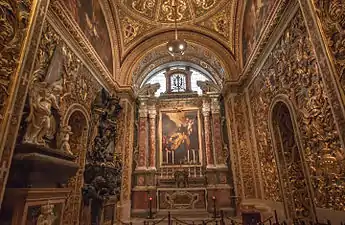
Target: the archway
pixel 78 143
pixel 293 179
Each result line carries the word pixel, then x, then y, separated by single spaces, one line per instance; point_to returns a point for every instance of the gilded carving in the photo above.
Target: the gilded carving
pixel 291 69
pixel 145 7
pixel 14 20
pixel 244 150
pixel 169 13
pixel 332 17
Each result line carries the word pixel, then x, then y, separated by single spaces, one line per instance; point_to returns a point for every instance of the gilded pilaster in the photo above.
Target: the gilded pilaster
pixel 127 120
pixel 20 34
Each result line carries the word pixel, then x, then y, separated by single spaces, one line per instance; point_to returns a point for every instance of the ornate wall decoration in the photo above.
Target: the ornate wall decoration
pixel 291 69
pixel 332 17
pixel 144 7
pixel 220 23
pixel 244 148
pixel 15 20
pixel 290 165
pixel 131 28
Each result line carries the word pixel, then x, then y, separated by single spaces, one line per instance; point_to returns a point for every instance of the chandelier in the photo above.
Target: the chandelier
pixel 176 47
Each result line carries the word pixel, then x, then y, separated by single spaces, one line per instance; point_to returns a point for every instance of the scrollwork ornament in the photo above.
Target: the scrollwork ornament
pixel 292 70
pixel 14 20
pixel 332 16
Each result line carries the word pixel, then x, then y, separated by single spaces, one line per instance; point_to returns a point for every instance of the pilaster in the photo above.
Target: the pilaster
pixel 206 109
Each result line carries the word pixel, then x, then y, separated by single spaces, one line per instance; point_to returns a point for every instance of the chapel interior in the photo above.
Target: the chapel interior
pixel 172 112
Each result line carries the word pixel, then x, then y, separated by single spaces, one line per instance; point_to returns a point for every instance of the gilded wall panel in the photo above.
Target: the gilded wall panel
pixel 332 17
pixel 234 153
pixel 244 148
pixel 14 17
pixel 291 69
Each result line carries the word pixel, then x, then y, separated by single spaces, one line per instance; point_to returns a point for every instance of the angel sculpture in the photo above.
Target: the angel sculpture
pixel 43 97
pixel 64 135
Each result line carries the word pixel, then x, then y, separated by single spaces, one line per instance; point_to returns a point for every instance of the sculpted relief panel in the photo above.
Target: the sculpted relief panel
pixel 291 70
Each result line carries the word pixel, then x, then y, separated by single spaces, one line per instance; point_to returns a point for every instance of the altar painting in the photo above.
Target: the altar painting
pixel 180 138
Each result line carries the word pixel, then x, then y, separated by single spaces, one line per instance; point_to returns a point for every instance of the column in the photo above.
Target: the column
pixel 142 137
pixel 207 132
pixel 152 140
pixel 217 131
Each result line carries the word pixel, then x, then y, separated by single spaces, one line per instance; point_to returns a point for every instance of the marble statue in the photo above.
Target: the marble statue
pixel 43 97
pixel 66 131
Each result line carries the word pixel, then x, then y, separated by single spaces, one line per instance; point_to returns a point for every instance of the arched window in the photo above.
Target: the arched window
pixel 177 80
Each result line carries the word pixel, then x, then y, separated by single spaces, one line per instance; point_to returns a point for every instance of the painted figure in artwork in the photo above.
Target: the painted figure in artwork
pixel 180 140
pixel 256 14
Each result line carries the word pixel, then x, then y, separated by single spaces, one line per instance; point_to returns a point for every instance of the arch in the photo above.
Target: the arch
pixel 293 175
pixel 132 61
pixel 75 107
pixel 78 119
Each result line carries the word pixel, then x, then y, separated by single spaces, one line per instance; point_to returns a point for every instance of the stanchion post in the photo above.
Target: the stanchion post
pixel 222 217
pixel 169 218
pixel 150 208
pixel 214 206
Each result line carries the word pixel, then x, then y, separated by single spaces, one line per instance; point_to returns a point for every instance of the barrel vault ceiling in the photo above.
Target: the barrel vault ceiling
pixel 139 20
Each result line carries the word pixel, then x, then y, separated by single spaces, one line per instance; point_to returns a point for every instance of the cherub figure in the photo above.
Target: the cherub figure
pixel 66 131
pixel 43 97
pixel 47 216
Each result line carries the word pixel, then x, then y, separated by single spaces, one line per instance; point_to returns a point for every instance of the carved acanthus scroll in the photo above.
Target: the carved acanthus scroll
pixel 14 17
pixel 291 70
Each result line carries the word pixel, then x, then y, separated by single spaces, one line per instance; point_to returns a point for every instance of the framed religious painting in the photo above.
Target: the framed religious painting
pixel 180 137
